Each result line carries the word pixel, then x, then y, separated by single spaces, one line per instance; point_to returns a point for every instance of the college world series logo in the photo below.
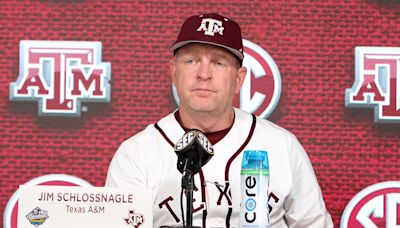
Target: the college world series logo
pixel 377 82
pixel 60 75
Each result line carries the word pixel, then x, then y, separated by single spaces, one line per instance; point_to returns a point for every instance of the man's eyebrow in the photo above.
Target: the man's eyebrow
pixel 187 52
pixel 221 53
pixel 222 56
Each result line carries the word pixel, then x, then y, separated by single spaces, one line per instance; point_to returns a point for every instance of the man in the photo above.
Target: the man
pixel 207 72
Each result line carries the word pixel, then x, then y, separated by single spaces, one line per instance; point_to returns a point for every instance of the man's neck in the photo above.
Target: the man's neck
pixel 205 121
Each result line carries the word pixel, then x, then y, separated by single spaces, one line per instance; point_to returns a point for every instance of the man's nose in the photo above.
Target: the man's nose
pixel 205 71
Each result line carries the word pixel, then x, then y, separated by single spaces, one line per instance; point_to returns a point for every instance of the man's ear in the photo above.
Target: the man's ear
pixel 242 71
pixel 172 69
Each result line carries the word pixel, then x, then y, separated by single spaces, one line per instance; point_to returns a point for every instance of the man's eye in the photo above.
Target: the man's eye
pixel 220 63
pixel 191 61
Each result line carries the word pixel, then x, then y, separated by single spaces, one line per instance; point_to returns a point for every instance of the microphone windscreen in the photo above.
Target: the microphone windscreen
pixel 194 150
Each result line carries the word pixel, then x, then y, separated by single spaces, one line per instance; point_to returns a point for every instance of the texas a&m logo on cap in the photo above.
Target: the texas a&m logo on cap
pixel 60 75
pixel 377 82
pixel 376 206
pixel 211 26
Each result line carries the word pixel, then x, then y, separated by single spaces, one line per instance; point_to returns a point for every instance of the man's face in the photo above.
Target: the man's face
pixel 206 78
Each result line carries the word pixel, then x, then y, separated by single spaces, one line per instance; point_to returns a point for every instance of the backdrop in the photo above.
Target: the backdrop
pixel 312 42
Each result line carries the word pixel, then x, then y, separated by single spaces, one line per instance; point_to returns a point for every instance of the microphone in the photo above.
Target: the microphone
pixel 194 150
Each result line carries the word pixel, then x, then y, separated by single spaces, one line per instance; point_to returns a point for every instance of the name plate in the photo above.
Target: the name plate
pixel 84 207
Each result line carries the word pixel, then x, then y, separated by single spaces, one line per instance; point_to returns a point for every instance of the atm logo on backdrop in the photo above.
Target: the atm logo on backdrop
pixel 377 82
pixel 59 75
pixel 261 88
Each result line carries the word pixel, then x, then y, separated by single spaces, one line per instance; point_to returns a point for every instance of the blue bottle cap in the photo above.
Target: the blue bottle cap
pixel 255 159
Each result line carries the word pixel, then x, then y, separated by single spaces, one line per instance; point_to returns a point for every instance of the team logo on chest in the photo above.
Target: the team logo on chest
pixel 61 74
pixel 377 82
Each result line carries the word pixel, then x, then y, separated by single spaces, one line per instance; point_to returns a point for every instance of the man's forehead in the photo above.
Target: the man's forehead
pixel 208 48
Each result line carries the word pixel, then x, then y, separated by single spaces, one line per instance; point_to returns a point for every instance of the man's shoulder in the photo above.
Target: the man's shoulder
pixel 150 130
pixel 263 124
pixel 155 132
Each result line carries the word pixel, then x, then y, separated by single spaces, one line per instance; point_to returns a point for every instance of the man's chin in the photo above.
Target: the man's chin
pixel 203 108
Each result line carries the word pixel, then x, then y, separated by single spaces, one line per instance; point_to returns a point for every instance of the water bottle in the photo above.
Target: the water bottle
pixel 254 186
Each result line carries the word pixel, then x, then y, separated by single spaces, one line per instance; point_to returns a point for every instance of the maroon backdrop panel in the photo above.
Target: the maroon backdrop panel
pixel 312 43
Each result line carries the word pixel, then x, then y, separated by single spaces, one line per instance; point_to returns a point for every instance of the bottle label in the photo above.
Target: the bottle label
pixel 254 186
pixel 254 172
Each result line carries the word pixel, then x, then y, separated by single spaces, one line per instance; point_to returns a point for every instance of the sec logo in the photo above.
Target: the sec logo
pixel 11 210
pixel 376 206
pixel 261 88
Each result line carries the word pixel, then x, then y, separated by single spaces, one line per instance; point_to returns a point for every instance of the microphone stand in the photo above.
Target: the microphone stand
pixel 193 150
pixel 188 187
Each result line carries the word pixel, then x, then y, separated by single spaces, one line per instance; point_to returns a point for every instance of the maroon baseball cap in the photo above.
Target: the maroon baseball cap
pixel 211 29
